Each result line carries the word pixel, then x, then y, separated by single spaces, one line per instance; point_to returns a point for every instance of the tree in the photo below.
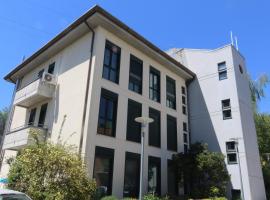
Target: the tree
pixel 47 171
pixel 3 119
pixel 203 172
pixel 257 89
pixel 262 122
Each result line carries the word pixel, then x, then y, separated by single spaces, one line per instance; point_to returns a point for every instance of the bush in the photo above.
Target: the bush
pixel 51 172
pixel 109 198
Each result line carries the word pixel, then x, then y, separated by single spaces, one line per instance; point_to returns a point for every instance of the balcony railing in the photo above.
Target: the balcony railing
pixel 33 93
pixel 21 137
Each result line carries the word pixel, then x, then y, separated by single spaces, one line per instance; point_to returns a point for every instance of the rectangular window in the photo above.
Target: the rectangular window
pixel 170 93
pixel 183 90
pixel 40 73
pixel 226 109
pixel 132 175
pixel 171 133
pixel 172 179
pixel 32 116
pixel 154 175
pixel 184 110
pixel 107 113
pixel 185 148
pixel 19 83
pixel 183 100
pixel 231 152
pixel 230 146
pixel 51 68
pixel 135 74
pixel 42 115
pixel 134 128
pixel 185 138
pixel 103 168
pixel 154 84
pixel 111 64
pixel 185 126
pixel 154 128
pixel 222 71
pixel 232 158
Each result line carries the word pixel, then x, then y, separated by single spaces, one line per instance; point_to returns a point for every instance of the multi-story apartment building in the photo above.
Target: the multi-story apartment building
pixel 221 114
pixel 98 75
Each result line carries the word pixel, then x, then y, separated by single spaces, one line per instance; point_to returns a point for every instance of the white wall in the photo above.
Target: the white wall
pixel 119 143
pixel 206 121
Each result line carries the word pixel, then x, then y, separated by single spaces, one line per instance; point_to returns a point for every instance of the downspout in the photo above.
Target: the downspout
pixel 87 86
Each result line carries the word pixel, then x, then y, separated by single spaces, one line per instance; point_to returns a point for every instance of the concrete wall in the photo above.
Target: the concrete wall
pixel 206 121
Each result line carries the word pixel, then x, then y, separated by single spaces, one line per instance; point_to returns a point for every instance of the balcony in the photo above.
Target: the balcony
pixel 33 93
pixel 21 137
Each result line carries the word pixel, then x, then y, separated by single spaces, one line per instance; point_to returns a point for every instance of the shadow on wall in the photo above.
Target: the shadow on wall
pixel 200 122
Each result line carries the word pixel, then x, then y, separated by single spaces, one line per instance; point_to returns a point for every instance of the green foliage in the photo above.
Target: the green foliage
pixel 150 197
pixel 204 172
pixel 47 171
pixel 257 89
pixel 109 198
pixel 262 122
pixel 3 118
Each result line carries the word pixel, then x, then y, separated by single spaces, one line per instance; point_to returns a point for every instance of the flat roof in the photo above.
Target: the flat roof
pixel 82 19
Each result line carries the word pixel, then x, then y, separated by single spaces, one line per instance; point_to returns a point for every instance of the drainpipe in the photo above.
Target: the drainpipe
pixel 87 86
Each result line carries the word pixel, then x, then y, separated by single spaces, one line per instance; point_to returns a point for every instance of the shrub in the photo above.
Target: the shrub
pixel 51 172
pixel 109 198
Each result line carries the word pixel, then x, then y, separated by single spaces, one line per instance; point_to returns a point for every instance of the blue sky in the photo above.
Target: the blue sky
pixel 27 25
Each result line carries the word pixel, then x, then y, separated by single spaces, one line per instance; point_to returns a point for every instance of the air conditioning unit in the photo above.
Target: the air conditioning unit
pixel 48 78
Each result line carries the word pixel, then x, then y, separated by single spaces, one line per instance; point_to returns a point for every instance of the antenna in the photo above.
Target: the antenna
pixel 236 43
pixel 232 38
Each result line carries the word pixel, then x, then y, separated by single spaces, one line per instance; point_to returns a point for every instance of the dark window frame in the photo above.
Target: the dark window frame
pixel 106 153
pixel 136 157
pixel 51 68
pixel 229 156
pixel 133 126
pixel 110 48
pixel 170 96
pixel 155 114
pixel 42 115
pixel 172 136
pixel 135 80
pixel 32 116
pixel 154 90
pixel 108 97
pixel 155 161
pixel 40 73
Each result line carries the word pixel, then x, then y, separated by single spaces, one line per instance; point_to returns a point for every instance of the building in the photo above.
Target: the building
pixel 97 76
pixel 220 112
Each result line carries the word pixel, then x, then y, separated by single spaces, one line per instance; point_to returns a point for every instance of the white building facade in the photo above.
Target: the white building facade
pixel 96 77
pixel 221 114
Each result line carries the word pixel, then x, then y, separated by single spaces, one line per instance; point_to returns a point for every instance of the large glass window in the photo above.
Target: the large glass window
pixel 111 64
pixel 222 71
pixel 42 115
pixel 32 116
pixel 170 93
pixel 134 128
pixel 103 168
pixel 135 74
pixel 132 175
pixel 171 133
pixel 154 128
pixel 107 113
pixel 172 179
pixel 154 84
pixel 154 175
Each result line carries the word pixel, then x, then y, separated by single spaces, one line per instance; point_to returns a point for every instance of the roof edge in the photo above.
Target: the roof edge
pixel 84 17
